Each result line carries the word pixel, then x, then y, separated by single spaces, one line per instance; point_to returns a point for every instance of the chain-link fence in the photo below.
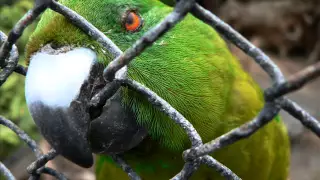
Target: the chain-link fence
pixel 115 72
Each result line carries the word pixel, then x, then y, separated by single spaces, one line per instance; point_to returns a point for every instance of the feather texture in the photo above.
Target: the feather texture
pixel 191 68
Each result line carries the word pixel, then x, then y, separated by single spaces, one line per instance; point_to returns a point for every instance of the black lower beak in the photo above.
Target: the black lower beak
pixel 116 129
pixel 73 135
pixel 66 131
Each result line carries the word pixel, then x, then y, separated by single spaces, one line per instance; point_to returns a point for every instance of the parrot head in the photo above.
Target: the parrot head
pixel 65 69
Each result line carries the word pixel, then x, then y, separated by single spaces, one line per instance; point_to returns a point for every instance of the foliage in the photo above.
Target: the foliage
pixel 6 2
pixel 12 101
pixel 9 15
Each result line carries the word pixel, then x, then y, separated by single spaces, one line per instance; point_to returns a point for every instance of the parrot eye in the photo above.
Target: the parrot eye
pixel 132 21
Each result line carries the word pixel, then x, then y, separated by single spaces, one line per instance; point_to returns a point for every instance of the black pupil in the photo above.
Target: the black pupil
pixel 130 18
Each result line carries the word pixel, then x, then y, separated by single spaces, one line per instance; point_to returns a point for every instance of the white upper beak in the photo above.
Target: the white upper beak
pixel 55 79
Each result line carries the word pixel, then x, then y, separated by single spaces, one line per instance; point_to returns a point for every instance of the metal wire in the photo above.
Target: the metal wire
pixel 115 73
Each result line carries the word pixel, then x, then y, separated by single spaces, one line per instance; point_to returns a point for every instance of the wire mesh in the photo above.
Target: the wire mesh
pixel 115 72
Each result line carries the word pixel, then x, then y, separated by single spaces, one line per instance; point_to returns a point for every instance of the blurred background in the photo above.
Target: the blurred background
pixel 287 30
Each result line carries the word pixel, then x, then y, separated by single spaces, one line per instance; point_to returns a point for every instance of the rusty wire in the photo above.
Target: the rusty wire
pixel 115 73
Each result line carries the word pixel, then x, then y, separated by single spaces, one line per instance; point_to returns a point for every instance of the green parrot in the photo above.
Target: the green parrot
pixel 190 67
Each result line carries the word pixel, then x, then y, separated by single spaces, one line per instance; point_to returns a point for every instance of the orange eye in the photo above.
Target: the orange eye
pixel 132 21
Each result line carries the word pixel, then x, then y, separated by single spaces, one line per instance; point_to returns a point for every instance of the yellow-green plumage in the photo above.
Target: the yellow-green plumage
pixel 191 68
pixel 201 79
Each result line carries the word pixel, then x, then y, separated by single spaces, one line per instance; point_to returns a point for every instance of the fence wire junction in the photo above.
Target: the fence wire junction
pixel 115 72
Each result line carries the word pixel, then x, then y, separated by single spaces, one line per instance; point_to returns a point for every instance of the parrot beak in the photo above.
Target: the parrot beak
pixel 59 86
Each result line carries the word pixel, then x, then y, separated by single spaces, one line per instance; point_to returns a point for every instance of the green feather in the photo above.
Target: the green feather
pixel 191 68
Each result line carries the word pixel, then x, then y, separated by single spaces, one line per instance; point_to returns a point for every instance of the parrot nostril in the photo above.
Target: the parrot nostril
pixel 55 46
